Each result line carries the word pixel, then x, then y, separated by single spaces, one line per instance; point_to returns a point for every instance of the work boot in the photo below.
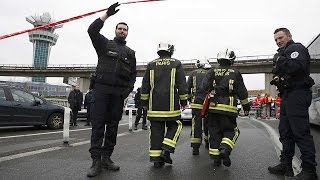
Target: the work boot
pixel 282 169
pixel 144 127
pixel 306 174
pixel 165 155
pixel 217 162
pixel 224 154
pixel 135 127
pixel 95 168
pixel 109 164
pixel 195 151
pixel 158 164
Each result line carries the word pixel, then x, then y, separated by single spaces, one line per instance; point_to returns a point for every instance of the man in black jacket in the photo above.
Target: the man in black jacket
pixel 114 80
pixel 140 111
pixel 75 100
pixel 88 99
pixel 292 78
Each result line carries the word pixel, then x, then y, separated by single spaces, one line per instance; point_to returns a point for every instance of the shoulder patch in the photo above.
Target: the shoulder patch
pixel 294 55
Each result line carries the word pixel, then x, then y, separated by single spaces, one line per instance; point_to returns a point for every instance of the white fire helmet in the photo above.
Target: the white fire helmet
pixel 165 47
pixel 227 54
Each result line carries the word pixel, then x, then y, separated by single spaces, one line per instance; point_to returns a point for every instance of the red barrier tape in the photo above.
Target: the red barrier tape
pixel 67 20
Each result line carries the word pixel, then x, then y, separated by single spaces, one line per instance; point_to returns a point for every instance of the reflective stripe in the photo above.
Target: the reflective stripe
pixel 223 107
pixel 169 142
pixel 194 84
pixel 205 137
pixel 144 96
pixel 195 140
pixel 155 153
pixel 172 83
pixel 244 101
pixel 196 106
pixel 231 81
pixel 183 97
pixel 236 134
pixel 215 152
pixel 163 113
pixel 231 98
pixel 228 142
pixel 152 87
pixel 193 123
pixel 176 136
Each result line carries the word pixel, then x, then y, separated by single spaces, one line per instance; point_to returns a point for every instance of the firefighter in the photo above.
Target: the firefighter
pixel 267 100
pixel 196 97
pixel 163 93
pixel 277 102
pixel 224 83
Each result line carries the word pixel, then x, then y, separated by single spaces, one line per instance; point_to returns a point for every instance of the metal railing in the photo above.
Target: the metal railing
pixel 239 60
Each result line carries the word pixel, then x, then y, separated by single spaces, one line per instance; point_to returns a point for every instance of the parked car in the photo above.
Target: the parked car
pixel 186 115
pixel 21 108
pixel 130 105
pixel 314 111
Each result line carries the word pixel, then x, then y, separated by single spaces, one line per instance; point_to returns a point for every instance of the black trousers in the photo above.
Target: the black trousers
pixel 294 127
pixel 196 129
pixel 162 138
pixel 75 111
pixel 141 112
pixel 106 113
pixel 223 133
pixel 205 129
pixel 89 113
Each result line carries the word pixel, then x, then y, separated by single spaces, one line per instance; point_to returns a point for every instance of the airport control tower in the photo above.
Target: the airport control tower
pixel 42 41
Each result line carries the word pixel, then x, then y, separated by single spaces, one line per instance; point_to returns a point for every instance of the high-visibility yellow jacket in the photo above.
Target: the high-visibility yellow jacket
pixel 194 86
pixel 164 89
pixel 228 85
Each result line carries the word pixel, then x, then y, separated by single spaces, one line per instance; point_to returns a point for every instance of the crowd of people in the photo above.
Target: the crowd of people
pixel 266 106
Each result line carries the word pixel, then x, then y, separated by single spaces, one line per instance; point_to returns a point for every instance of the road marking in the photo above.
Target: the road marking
pixel 277 144
pixel 20 155
pixel 56 132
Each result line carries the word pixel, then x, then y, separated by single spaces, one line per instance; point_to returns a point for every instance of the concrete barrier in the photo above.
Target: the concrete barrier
pixel 66 125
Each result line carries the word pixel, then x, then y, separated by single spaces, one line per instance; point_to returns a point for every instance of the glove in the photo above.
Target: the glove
pixel 125 93
pixel 112 9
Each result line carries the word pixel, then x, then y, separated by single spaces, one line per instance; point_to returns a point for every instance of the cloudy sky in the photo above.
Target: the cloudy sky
pixel 198 29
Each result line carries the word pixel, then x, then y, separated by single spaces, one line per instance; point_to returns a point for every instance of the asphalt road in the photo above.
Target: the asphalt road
pixel 29 153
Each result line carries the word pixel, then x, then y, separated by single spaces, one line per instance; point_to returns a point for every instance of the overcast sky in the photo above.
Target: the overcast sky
pixel 198 29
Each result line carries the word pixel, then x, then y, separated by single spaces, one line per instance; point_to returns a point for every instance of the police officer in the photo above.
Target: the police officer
pixel 225 85
pixel 115 78
pixel 87 105
pixel 140 111
pixel 163 93
pixel 292 77
pixel 196 96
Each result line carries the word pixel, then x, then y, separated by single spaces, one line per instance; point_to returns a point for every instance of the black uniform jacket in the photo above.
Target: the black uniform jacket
pixel 116 67
pixel 164 89
pixel 228 84
pixel 194 86
pixel 294 63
